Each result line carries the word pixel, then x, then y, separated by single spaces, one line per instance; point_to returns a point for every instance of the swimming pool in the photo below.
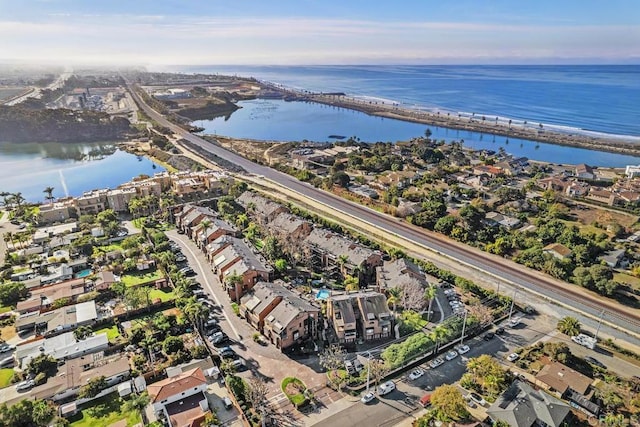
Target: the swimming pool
pixel 83 273
pixel 323 294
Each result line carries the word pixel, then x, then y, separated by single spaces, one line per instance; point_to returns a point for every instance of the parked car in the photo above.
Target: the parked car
pixel 226 401
pixel 181 258
pixel 7 361
pixel 500 331
pixel 187 271
pixel 595 362
pixel 436 362
pixel 415 374
pixel 513 357
pixel 6 347
pixel 488 336
pixel 226 352
pixel 368 397
pixel 477 398
pixel 217 337
pixel 353 366
pixel 25 385
pixel 451 355
pixel 462 349
pixel 238 365
pixel 386 388
pixel 515 321
pixel 425 400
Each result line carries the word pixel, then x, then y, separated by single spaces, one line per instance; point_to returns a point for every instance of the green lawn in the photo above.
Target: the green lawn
pixel 104 412
pixel 4 309
pixel 162 295
pixel 112 332
pixel 632 281
pixel 5 377
pixel 135 279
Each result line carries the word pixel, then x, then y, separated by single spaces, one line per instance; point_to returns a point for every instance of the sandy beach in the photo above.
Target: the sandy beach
pixel 473 123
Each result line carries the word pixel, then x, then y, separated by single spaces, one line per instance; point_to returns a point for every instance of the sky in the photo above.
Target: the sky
pixel 291 32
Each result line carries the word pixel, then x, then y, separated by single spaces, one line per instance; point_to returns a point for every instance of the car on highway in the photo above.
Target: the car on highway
pixel 367 397
pixel 488 336
pixel 462 349
pixel 451 355
pixel 477 398
pixel 415 374
pixel 513 357
pixel 25 385
pixel 386 388
pixel 436 362
pixel 596 362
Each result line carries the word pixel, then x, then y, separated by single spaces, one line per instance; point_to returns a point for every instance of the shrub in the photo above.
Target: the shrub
pixel 298 399
pixel 41 378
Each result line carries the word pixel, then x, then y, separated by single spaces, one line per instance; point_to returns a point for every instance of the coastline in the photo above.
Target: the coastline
pixel 464 123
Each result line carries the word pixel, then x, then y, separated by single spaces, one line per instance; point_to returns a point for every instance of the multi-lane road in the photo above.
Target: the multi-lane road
pixel 589 303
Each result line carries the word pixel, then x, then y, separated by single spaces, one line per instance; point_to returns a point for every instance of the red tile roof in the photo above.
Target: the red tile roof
pixel 175 385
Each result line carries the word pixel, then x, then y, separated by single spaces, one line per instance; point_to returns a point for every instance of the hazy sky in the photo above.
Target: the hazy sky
pixel 160 32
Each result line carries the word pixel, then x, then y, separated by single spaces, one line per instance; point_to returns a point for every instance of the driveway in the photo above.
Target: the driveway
pixel 264 362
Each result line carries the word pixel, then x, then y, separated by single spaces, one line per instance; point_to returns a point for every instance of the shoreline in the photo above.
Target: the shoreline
pixel 463 123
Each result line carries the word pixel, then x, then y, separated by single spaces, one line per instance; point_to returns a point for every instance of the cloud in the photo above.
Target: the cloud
pixel 164 39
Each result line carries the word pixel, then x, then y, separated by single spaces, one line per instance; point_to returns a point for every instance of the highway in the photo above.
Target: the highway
pixel 613 314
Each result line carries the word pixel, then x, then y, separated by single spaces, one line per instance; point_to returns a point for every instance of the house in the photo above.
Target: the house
pixel 632 171
pixel 560 378
pixel 61 347
pixel 181 398
pixel 44 297
pixel 362 315
pixel 577 189
pixel 392 274
pixel 292 321
pixel 208 231
pixel 332 250
pixel 523 406
pixel 258 303
pixel 263 209
pixel 584 171
pixel 615 258
pixel 488 170
pixel 557 250
pixel 76 373
pixel 59 274
pixel 602 196
pixel 59 320
pixel 496 218
pixel 59 211
pixel 555 183
pixel 104 280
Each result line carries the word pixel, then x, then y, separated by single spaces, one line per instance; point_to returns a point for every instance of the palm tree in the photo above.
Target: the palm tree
pixel 17 199
pixel 197 313
pixel 395 294
pixel 136 403
pixel 438 333
pixel 569 326
pixel 430 294
pixel 49 192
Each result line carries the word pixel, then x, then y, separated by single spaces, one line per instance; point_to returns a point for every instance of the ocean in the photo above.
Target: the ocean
pixel 586 98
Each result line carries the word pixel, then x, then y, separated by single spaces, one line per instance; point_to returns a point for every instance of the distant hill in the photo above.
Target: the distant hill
pixel 20 124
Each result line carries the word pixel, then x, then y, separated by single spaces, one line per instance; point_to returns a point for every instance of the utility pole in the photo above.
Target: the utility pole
pixel 368 369
pixel 513 301
pixel 599 324
pixel 464 325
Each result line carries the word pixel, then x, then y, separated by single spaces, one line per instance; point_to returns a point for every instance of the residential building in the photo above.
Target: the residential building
pixel 523 406
pixel 61 347
pixel 632 171
pixel 258 303
pixel 92 202
pixel 496 218
pixel 584 171
pixel 104 280
pixel 290 227
pixel 44 297
pixel 557 250
pixel 363 315
pixel 119 199
pixel 58 320
pixel 570 385
pixel 615 258
pixel 397 272
pixel 59 211
pixel 181 399
pixel 191 215
pixel 602 196
pixel 291 322
pixel 263 209
pixel 332 250
pixel 577 189
pixel 59 274
pixel 76 373
pixel 209 230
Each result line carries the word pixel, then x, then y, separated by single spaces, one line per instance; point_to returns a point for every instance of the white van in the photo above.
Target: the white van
pixel 386 388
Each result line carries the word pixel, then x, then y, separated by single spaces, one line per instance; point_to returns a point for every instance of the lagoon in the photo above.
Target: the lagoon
pixel 278 120
pixel 70 168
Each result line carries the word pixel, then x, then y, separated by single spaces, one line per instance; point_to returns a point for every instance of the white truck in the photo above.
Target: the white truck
pixel 585 340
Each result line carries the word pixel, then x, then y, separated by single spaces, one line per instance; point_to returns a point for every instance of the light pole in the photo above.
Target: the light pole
pixel 599 324
pixel 513 301
pixel 368 369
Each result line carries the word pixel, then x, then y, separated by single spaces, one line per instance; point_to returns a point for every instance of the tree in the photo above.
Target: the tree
pixel 341 178
pixel 11 293
pixel 610 397
pixel 271 249
pixel 280 265
pixel 93 387
pixel 137 297
pixel 172 344
pixel 351 283
pixel 413 296
pixel 26 413
pixel 430 294
pixel 487 373
pixel 137 403
pixel 196 312
pixel 377 370
pixel 210 420
pixel 43 364
pixel 49 192
pixel 332 357
pixel 395 294
pixel 448 403
pixel 256 393
pixel 569 326
pixel 82 332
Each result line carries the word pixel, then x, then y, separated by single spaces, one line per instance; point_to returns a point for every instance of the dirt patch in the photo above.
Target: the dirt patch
pixel 8 332
pixel 588 215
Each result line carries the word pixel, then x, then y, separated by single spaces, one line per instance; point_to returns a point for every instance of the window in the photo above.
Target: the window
pixel 296 335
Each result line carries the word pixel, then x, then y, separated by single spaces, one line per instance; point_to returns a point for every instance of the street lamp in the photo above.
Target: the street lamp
pixel 599 324
pixel 513 300
pixel 464 325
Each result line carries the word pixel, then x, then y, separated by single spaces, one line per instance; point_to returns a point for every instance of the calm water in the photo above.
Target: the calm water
pixel 294 121
pixel 29 168
pixel 590 98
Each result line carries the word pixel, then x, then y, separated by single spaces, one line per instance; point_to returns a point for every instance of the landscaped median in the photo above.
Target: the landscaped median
pixel 296 391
